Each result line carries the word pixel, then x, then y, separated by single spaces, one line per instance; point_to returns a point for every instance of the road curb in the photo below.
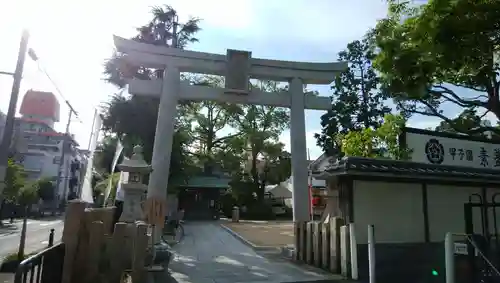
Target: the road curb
pixel 247 242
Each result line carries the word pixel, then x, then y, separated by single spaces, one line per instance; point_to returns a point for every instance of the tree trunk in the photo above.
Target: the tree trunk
pixel 22 241
pixel 255 175
pixel 262 187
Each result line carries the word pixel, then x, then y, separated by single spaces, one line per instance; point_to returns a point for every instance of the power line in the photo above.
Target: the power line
pixel 72 112
pixel 32 54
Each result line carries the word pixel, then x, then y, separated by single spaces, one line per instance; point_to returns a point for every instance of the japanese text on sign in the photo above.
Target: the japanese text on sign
pixel 483 156
pixel 427 148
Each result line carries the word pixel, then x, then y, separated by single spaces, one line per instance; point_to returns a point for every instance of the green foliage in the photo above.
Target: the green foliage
pixel 210 118
pixel 29 194
pixel 46 189
pixel 15 257
pixel 358 143
pixel 278 166
pixel 242 191
pixel 105 153
pixel 357 103
pixel 101 186
pixel 197 140
pixel 134 119
pixel 468 122
pixel 260 127
pixel 14 181
pixel 158 31
pixel 426 53
pixel 379 143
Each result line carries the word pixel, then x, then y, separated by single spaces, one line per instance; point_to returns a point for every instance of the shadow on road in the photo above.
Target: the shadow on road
pixel 8 229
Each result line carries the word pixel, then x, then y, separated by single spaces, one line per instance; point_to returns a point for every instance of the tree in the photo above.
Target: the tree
pixel 46 189
pixel 164 27
pixel 376 143
pixel 29 194
pixel 210 117
pixel 463 122
pixel 14 181
pixel 441 53
pixel 134 119
pixel 260 126
pixel 159 31
pixel 277 166
pixel 357 102
pixel 105 153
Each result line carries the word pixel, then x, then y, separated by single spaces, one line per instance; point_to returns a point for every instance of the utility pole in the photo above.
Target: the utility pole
pixel 63 154
pixel 83 172
pixel 10 118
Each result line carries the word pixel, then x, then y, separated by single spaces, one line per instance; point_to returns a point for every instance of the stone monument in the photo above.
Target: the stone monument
pixel 134 189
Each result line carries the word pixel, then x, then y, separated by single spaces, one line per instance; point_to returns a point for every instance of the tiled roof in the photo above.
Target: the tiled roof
pixel 408 169
pixel 208 182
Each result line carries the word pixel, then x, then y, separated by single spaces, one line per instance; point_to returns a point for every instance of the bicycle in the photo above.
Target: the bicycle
pixel 173 229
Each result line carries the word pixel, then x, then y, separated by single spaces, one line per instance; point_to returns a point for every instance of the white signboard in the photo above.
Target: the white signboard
pixel 462 249
pixel 431 149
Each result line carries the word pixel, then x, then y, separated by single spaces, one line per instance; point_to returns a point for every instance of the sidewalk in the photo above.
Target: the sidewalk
pixel 209 254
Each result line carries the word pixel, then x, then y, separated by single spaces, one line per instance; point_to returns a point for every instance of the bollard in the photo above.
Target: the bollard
pixel 354 252
pixel 371 253
pixel 51 237
pixel 449 258
pixel 236 214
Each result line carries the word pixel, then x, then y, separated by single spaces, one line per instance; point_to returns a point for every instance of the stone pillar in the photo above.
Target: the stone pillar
pixel 162 149
pixel 164 134
pixel 300 194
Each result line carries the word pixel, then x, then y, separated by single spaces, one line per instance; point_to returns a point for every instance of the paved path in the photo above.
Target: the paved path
pixel 209 254
pixel 37 235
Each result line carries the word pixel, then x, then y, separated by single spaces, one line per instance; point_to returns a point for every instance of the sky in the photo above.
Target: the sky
pixel 73 38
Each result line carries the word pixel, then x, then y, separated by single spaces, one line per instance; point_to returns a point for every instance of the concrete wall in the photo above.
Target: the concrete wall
pixel 446 210
pixel 394 208
pixel 397 211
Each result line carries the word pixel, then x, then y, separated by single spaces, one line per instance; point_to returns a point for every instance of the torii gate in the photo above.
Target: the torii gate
pixel 237 67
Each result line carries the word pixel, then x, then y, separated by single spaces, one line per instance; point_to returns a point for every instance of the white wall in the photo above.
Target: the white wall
pixel 446 210
pixel 395 209
pixel 48 168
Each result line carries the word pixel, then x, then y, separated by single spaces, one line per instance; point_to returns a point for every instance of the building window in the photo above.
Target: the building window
pixel 56 160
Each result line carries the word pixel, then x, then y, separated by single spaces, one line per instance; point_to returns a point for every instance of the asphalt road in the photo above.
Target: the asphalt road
pixel 37 235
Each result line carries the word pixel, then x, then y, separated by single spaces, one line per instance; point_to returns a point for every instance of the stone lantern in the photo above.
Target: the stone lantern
pixel 134 189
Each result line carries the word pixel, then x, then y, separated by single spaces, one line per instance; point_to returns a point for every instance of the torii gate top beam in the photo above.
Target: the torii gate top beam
pixel 152 56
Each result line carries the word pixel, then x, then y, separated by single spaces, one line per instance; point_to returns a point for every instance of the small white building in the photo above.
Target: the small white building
pixel 450 185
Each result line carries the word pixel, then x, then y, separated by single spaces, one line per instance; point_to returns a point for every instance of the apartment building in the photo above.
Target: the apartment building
pixel 38 147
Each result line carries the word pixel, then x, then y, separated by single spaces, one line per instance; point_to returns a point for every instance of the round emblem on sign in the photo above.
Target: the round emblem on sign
pixel 434 151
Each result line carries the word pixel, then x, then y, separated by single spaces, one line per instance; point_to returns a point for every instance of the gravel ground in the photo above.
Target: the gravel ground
pixel 266 234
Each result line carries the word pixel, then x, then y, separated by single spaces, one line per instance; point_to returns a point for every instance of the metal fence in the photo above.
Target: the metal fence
pixel 44 267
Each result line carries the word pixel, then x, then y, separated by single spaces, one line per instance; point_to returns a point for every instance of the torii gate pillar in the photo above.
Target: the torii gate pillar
pixel 237 67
